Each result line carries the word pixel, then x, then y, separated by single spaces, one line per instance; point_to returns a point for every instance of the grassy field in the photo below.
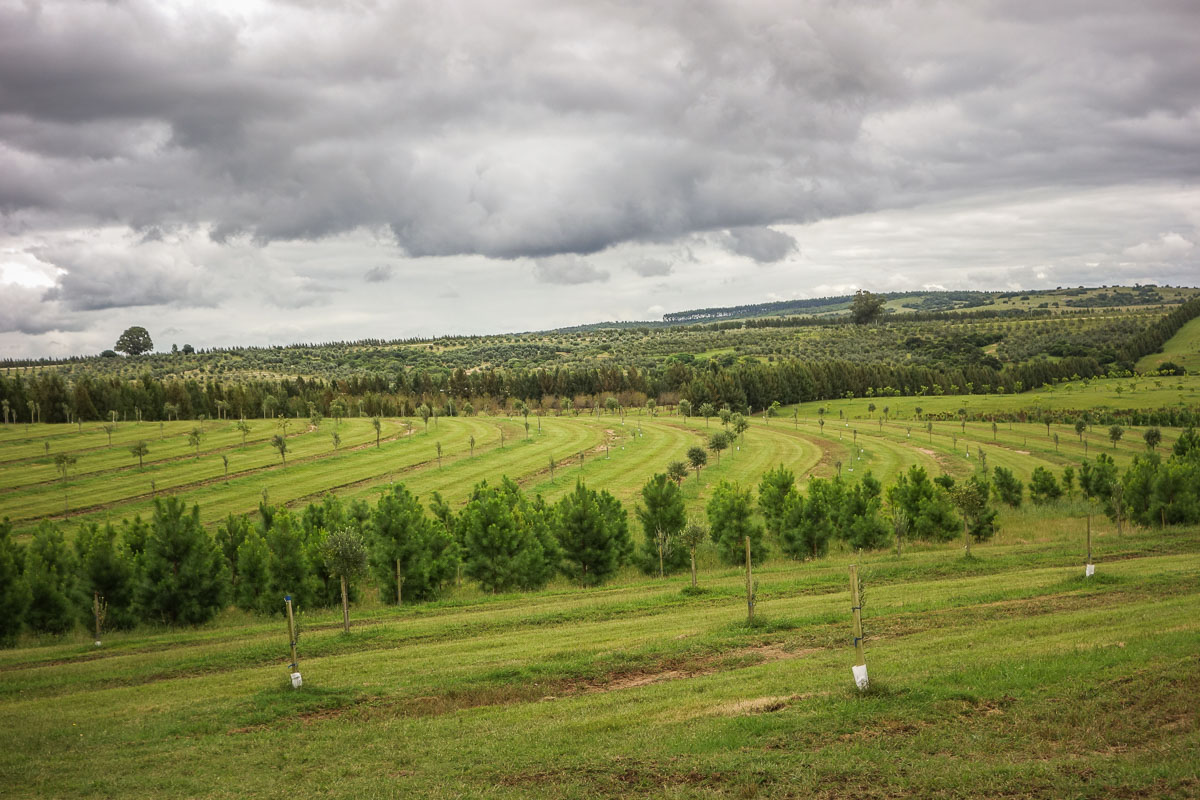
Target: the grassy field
pixel 1005 675
pixel 618 453
pixel 1183 349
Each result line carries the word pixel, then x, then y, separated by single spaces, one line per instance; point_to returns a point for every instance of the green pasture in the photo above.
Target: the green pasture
pixel 1183 349
pixel 1078 396
pixel 618 452
pixel 1008 674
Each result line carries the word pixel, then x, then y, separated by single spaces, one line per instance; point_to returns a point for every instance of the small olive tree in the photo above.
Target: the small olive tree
pixel 346 557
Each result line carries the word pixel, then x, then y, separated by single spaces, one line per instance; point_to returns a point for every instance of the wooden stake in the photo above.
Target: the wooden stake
pixel 295 665
pixel 399 585
pixel 345 607
pixel 859 657
pixel 749 585
pixel 98 609
pixel 1089 539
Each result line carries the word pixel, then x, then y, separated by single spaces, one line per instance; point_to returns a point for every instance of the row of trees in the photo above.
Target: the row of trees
pixel 168 569
pixel 1154 491
pixel 746 385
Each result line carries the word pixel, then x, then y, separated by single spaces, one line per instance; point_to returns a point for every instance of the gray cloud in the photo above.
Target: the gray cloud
pixel 97 282
pixel 760 244
pixel 473 134
pixel 532 134
pixel 566 270
pixel 379 274
pixel 650 267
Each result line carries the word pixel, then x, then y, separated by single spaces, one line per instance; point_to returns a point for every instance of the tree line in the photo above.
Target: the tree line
pixel 746 385
pixel 168 569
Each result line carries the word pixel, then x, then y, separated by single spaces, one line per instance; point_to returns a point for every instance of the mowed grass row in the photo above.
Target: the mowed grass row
pixel 312 471
pixel 89 442
pixel 174 454
pixel 1023 680
pixel 409 455
pixel 306 452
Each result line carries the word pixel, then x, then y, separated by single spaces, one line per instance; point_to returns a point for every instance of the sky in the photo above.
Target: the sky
pixel 256 173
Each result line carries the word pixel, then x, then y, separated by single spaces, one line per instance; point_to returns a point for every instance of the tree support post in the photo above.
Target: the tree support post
pixel 294 667
pixel 860 659
pixel 1090 569
pixel 749 585
pixel 345 607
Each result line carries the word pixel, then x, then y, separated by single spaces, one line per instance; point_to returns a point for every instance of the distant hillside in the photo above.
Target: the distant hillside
pixel 918 301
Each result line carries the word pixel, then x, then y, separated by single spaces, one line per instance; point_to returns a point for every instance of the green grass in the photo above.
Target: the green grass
pixel 619 452
pixel 1183 348
pixel 1005 675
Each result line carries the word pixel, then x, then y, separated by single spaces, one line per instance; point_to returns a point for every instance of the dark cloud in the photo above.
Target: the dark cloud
pixel 566 270
pixel 379 274
pixel 760 244
pixel 520 130
pixel 533 134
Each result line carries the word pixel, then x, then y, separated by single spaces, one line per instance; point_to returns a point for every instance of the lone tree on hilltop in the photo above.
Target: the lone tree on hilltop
pixel 134 341
pixel 866 308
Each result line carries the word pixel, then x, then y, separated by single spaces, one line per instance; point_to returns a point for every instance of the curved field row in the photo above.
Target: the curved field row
pixel 220 439
pixel 409 455
pixel 313 469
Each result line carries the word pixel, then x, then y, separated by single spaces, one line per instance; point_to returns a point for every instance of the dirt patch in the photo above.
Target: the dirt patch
pixel 761 705
pixel 884 727
pixel 634 681
pixel 735 659
pixel 625 776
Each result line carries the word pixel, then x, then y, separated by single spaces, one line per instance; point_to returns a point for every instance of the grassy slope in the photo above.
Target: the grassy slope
pixel 1007 674
pixel 106 482
pixel 1004 675
pixel 1183 348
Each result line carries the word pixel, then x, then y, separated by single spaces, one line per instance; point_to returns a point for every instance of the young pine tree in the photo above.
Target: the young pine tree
pixel 290 570
pixel 505 542
pixel 106 569
pixel 15 596
pixel 592 539
pixel 183 578
pixel 50 569
pixel 411 556
pixel 773 492
pixel 661 513
pixel 730 520
pixel 252 590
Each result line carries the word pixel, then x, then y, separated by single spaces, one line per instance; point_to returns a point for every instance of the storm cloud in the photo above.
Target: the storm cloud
pixel 312 142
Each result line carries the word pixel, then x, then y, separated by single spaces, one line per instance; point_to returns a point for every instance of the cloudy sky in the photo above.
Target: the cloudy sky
pixel 273 172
